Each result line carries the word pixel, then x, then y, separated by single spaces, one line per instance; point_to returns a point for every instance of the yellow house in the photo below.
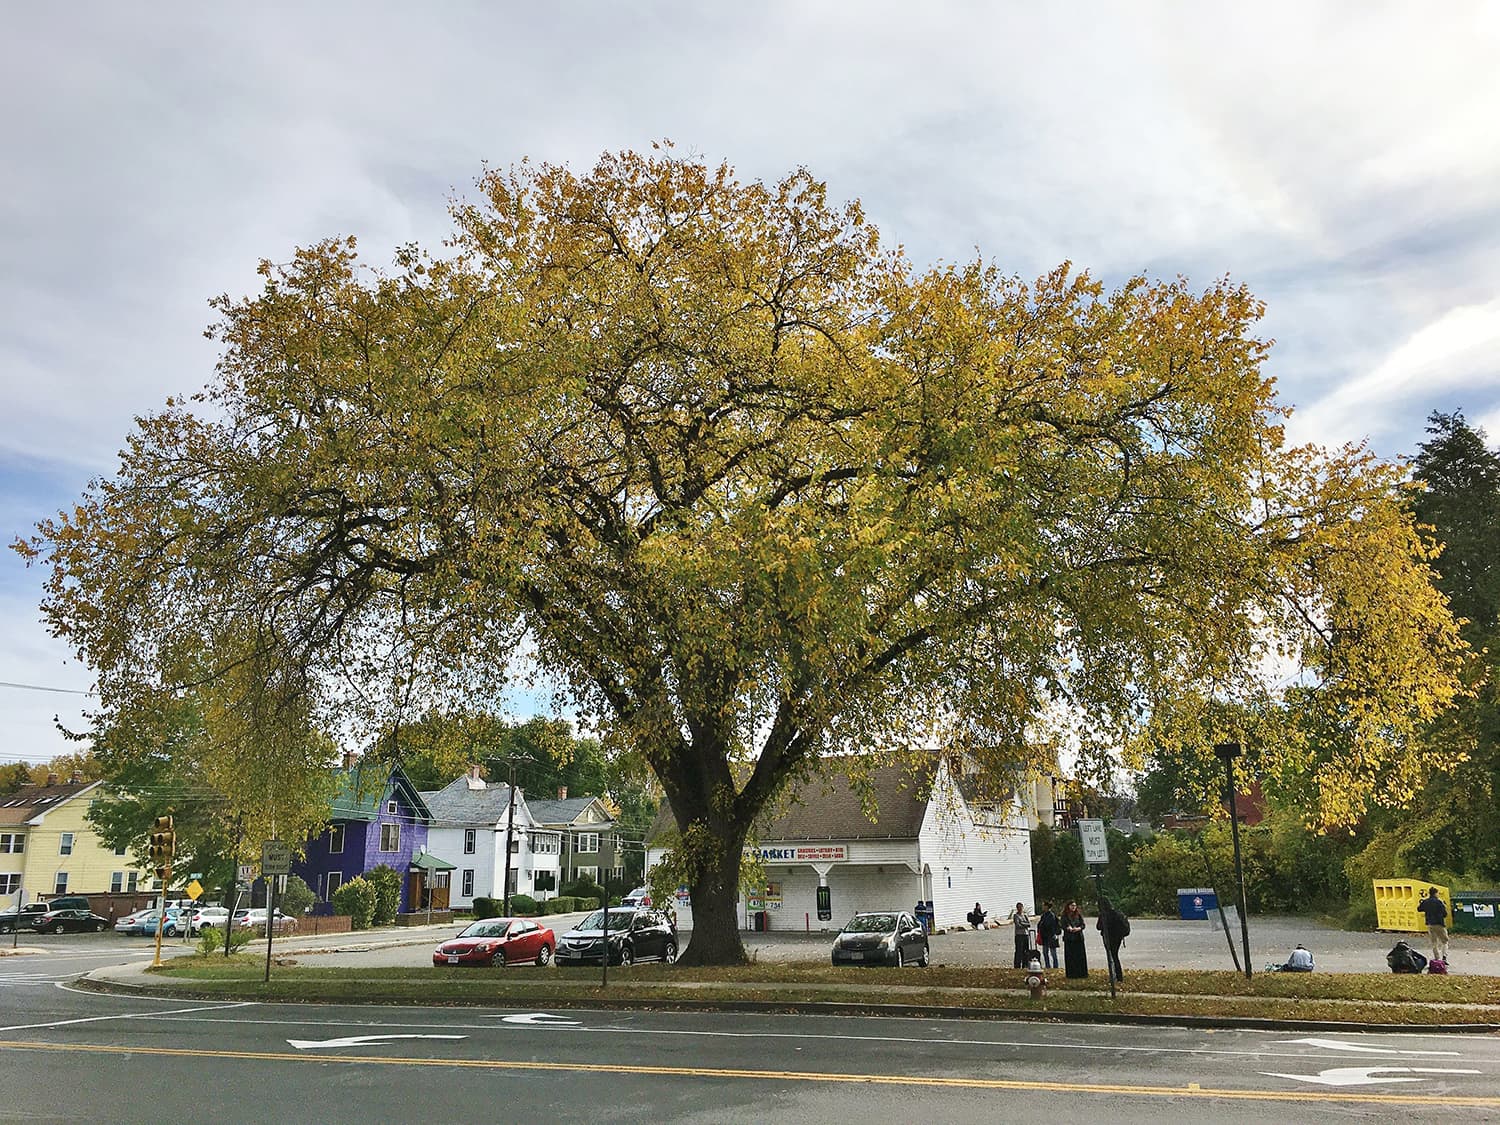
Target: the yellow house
pixel 48 847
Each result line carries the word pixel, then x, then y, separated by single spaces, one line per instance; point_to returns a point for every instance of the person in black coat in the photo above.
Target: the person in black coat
pixel 976 917
pixel 1075 954
pixel 1048 930
pixel 1112 928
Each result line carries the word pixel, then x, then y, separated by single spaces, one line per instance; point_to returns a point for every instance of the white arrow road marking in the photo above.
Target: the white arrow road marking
pixel 361 1040
pixel 1340 1045
pixel 546 1019
pixel 1365 1075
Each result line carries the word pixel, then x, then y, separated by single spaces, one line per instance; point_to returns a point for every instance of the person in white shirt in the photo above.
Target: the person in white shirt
pixel 1301 961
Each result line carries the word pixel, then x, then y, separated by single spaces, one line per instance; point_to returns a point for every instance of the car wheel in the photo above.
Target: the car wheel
pixel 98 927
pixel 926 956
pixel 669 953
pixel 627 955
pixel 900 957
pixel 544 956
pixel 58 928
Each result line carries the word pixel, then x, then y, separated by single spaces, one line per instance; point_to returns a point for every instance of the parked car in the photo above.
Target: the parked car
pixel 635 934
pixel 884 937
pixel 209 917
pixel 641 896
pixel 69 921
pixel 498 941
pixel 10 917
pixel 143 923
pixel 255 919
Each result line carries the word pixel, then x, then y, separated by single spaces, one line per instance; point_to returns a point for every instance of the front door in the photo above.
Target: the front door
pixel 440 890
pixel 416 884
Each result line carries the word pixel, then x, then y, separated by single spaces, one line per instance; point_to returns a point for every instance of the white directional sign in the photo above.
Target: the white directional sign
pixel 1095 844
pixel 545 1019
pixel 1365 1075
pixel 1341 1046
pixel 360 1040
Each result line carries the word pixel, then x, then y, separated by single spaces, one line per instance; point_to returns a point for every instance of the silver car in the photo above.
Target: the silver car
pixel 883 937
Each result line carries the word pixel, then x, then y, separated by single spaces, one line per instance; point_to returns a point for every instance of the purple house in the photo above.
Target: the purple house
pixel 374 820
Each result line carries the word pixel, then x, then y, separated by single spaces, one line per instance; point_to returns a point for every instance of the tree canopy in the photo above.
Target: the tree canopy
pixel 756 490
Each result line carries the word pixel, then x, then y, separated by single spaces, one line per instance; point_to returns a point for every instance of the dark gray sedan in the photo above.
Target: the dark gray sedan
pixel 886 937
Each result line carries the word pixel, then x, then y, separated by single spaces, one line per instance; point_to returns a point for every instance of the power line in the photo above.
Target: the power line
pixel 41 687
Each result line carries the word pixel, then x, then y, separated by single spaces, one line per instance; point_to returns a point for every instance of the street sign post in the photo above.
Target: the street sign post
pixel 276 858
pixel 247 873
pixel 1095 843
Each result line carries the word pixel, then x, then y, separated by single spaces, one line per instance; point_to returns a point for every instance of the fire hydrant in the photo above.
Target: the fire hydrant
pixel 1036 980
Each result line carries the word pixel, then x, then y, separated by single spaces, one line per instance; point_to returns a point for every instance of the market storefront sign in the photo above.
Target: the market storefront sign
pixel 804 853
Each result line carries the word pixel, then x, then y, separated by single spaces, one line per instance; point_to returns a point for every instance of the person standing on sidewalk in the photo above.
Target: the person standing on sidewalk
pixel 1048 928
pixel 1075 955
pixel 1022 922
pixel 1113 928
pixel 1435 910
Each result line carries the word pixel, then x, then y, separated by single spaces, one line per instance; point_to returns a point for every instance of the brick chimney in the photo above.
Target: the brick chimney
pixel 562 792
pixel 349 759
pixel 52 779
pixel 473 779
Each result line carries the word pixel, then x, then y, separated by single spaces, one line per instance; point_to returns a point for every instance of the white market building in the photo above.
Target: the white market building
pixel 927 844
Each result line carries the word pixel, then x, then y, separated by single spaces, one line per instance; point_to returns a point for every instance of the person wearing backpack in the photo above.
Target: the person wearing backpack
pixel 1114 928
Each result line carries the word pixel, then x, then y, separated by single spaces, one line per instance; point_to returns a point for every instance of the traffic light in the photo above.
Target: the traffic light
pixel 163 845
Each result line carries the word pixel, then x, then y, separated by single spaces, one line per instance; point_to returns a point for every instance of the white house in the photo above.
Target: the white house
pixel 924 845
pixel 469 820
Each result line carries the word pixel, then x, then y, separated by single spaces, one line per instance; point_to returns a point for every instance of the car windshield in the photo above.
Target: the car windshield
pixel 618 920
pixel 871 924
pixel 488 928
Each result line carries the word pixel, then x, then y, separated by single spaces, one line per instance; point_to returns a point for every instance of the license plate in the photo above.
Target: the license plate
pixel 453 958
pixel 856 956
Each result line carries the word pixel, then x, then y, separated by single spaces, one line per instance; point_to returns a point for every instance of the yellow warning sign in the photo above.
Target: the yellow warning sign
pixel 194 889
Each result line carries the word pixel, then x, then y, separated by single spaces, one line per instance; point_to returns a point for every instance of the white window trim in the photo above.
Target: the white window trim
pixel 396 828
pixel 65 843
pixel 336 834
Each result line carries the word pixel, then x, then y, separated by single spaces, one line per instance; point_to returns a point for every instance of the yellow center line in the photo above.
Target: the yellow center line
pixel 1192 1090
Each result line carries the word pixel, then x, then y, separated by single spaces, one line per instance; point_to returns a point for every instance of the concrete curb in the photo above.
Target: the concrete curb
pixel 106 983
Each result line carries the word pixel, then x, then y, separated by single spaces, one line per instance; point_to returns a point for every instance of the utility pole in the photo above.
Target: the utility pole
pixel 511 762
pixel 1228 752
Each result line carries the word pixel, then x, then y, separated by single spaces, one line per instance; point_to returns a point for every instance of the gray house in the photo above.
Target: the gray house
pixel 589 840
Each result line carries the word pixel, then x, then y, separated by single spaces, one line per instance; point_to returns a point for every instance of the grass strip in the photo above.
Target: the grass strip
pixel 1355 998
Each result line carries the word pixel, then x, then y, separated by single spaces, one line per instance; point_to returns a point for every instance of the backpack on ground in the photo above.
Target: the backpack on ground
pixel 1438 967
pixel 1404 959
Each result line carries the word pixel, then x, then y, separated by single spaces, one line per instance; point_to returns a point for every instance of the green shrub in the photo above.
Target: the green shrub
pixel 559 905
pixel 297 897
pixel 583 888
pixel 387 883
pixel 356 898
pixel 523 905
pixel 486 907
pixel 211 939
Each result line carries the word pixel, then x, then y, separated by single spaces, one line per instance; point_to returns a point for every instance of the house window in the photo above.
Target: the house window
pixel 132 878
pixel 469 838
pixel 544 843
pixel 515 844
pixel 335 880
pixel 120 850
pixel 10 884
pixel 116 882
pixel 588 842
pixel 390 837
pixel 336 839
pixel 13 842
pixel 65 844
pixel 589 873
pixel 617 873
pixel 390 807
pixel 60 884
pixel 468 884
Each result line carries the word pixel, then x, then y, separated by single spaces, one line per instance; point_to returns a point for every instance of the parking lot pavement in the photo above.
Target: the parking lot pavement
pixel 1156 943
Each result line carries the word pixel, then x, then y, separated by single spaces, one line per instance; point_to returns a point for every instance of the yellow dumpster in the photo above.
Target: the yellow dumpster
pixel 1396 904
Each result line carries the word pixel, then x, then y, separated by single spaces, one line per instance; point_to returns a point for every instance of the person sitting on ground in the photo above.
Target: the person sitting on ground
pixel 1301 961
pixel 976 917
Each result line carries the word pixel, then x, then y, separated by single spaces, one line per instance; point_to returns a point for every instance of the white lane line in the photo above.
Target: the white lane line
pixel 122 1016
pixel 762 1035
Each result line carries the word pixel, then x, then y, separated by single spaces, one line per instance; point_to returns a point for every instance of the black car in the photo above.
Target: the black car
pixel 25 914
pixel 635 934
pixel 883 937
pixel 69 921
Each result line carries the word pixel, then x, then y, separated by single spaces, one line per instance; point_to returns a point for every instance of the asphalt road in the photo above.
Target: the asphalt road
pixel 73 1056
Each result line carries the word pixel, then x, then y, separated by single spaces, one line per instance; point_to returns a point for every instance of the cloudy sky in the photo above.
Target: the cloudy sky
pixel 1341 159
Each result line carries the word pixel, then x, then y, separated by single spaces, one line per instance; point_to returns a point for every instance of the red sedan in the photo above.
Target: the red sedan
pixel 498 941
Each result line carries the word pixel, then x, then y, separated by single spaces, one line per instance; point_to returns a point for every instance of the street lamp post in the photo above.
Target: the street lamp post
pixel 1229 751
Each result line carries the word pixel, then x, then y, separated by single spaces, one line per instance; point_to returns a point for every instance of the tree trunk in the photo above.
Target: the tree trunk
pixel 716 894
